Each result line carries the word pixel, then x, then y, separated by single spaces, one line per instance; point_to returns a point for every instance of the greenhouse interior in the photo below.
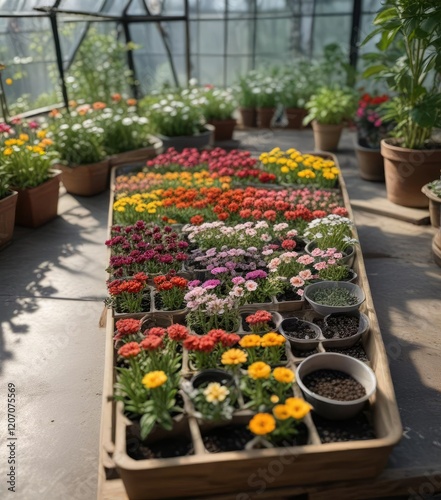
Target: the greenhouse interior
pixel 196 199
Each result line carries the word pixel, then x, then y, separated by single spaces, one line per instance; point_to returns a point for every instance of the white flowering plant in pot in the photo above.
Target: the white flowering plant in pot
pixel 333 231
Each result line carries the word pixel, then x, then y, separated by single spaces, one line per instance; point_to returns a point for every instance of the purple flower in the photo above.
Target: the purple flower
pixel 193 284
pixel 253 275
pixel 219 270
pixel 238 280
pixel 210 284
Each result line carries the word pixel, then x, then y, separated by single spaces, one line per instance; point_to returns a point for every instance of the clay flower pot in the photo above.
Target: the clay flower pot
pixel 407 171
pixel 7 218
pixel 249 117
pixel 434 206
pixel 223 129
pixel 326 137
pixel 370 163
pixel 86 180
pixel 295 117
pixel 264 117
pixel 199 141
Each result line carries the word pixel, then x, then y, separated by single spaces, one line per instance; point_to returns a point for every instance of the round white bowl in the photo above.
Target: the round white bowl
pixel 325 309
pixel 331 408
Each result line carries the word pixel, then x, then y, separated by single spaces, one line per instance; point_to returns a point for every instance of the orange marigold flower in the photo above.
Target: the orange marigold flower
pixel 98 105
pixel 131 102
pixel 262 424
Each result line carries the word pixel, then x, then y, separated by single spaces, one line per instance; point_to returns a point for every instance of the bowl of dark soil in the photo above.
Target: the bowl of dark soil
pixel 301 335
pixel 337 386
pixel 344 329
pixel 327 297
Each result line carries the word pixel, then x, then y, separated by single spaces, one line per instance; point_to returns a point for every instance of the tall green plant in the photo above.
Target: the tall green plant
pixel 415 77
pixel 100 68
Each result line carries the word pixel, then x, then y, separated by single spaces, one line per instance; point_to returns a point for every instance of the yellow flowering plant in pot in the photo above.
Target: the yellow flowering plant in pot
pixel 28 160
pixel 282 426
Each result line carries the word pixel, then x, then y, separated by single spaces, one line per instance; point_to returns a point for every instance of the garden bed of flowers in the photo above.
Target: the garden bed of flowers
pixel 210 254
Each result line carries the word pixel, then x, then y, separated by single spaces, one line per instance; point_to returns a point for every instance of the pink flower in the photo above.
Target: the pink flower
pixel 305 275
pixel 300 292
pixel 238 280
pixel 296 281
pixel 251 285
pixel 305 259
pixel 320 265
pixel 338 255
pixel 378 122
pixel 317 252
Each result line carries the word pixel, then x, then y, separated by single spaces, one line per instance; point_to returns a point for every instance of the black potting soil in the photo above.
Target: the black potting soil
pixel 165 448
pixel 340 327
pixel 301 331
pixel 357 351
pixel 353 429
pixel 228 438
pixel 303 354
pixel 334 384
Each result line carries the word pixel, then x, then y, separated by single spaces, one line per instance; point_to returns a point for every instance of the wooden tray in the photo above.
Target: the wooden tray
pixel 245 471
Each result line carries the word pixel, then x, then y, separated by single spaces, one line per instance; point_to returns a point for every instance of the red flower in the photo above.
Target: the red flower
pixel 289 244
pixel 191 343
pixel 206 344
pixel 152 343
pixel 156 331
pixel 197 220
pixel 129 350
pixel 223 216
pixel 258 317
pixel 340 211
pixel 127 327
pixel 229 339
pixel 177 332
pixel 166 285
pixel 157 280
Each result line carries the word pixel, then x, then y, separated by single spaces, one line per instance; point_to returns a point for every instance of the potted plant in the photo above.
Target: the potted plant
pixel 78 139
pixel 433 192
pixel 126 138
pixel 268 96
pixel 8 202
pixel 412 159
pixel 178 122
pixel 298 85
pixel 218 108
pixel 328 109
pixel 28 160
pixel 247 99
pixel 371 128
pixel 331 232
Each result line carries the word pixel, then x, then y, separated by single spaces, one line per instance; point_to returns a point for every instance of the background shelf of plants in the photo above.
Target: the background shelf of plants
pixel 207 255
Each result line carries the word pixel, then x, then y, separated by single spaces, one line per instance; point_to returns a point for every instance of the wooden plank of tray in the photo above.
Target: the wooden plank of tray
pixel 390 483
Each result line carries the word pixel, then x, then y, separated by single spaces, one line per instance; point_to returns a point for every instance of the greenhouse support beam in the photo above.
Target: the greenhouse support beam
pixel 130 60
pixel 54 25
pixel 355 32
pixel 187 41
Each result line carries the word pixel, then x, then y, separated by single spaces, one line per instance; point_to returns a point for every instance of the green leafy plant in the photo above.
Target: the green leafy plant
pixel 331 106
pixel 415 77
pixel 5 177
pixel 245 94
pixel 218 104
pixel 435 187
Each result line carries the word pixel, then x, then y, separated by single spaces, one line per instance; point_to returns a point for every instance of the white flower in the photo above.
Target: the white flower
pixel 127 121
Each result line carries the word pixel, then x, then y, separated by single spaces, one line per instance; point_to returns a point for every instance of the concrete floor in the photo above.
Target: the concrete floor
pixel 52 286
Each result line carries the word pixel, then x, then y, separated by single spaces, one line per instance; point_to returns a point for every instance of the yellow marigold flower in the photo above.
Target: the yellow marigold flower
pixel 24 137
pixel 234 357
pixel 282 161
pixel 282 412
pixel 47 142
pixel 154 379
pixel 10 142
pixel 258 370
pixel 8 81
pixel 284 170
pixel 272 339
pixel 283 375
pixel 215 393
pixel 41 134
pixel 8 151
pixel 298 407
pixel 290 151
pixel 19 142
pixel 274 399
pixel 335 170
pixel 262 423
pixel 250 341
pixel 272 159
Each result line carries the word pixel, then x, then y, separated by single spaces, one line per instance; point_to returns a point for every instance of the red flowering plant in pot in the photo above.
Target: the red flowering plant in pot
pixel 129 295
pixel 170 292
pixel 260 322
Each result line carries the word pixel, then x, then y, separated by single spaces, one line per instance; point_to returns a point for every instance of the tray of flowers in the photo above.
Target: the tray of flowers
pixel 249 378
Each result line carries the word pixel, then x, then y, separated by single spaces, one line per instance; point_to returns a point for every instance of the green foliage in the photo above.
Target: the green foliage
pixel 217 104
pixel 415 77
pixel 100 68
pixel 331 106
pixel 5 177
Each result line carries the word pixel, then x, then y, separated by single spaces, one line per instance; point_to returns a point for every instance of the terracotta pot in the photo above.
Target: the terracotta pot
pixel 370 163
pixel 198 141
pixel 86 180
pixel 436 247
pixel 406 171
pixel 223 129
pixel 7 218
pixel 434 206
pixel 295 117
pixel 326 137
pixel 249 117
pixel 137 156
pixel 38 205
pixel 264 117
